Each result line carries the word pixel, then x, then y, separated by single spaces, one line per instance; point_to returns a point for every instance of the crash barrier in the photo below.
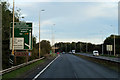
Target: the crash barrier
pixel 19 66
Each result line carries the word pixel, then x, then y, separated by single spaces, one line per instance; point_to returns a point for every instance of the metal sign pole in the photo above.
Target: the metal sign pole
pixel 15 58
pixel 27 56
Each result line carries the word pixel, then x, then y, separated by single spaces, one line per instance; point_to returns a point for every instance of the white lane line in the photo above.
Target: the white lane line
pixel 45 68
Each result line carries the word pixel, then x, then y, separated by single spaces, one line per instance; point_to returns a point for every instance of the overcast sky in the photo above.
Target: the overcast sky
pixel 81 20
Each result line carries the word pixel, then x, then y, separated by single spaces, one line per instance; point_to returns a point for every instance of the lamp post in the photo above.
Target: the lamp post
pixel 52 39
pixel 39 31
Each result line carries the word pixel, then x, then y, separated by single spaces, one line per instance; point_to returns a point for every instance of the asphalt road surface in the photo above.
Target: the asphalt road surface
pixel 70 66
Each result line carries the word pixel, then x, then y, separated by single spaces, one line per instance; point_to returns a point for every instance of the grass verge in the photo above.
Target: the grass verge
pixel 53 54
pixel 15 73
pixel 111 65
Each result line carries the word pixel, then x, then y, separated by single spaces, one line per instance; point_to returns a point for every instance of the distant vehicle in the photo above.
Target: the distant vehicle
pixel 63 52
pixel 95 53
pixel 58 53
pixel 73 51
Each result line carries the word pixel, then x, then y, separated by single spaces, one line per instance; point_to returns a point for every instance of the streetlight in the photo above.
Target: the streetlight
pixel 52 38
pixel 39 31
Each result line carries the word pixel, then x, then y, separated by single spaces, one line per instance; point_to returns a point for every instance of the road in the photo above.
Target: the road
pixel 70 66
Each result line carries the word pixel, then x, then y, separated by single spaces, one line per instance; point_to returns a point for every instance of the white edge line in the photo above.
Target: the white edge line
pixel 44 68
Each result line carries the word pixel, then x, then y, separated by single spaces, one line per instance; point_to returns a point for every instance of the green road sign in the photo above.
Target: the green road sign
pixel 22 36
pixel 50 51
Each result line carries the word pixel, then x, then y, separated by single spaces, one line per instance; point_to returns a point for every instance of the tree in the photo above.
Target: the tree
pixel 7 17
pixel 45 47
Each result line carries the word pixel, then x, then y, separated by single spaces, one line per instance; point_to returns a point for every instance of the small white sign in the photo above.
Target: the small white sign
pixel 18 43
pixel 109 48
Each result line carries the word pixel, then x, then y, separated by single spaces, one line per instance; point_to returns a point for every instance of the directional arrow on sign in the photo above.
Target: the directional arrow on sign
pixel 27 45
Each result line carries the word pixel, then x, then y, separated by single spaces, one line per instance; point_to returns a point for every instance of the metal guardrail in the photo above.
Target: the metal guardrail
pixel 19 66
pixel 117 60
pixel 111 60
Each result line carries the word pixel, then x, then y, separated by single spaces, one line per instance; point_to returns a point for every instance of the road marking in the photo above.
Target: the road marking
pixel 45 68
pixel 75 75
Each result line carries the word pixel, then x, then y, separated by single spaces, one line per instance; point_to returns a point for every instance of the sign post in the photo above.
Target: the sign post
pixel 109 48
pixel 27 56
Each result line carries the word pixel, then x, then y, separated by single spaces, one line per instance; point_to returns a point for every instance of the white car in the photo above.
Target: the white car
pixel 95 53
pixel 73 51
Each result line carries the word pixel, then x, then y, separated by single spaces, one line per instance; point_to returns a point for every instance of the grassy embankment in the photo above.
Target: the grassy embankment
pixel 17 72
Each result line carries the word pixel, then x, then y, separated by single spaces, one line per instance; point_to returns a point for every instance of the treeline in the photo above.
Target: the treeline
pixel 7 18
pixel 89 47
